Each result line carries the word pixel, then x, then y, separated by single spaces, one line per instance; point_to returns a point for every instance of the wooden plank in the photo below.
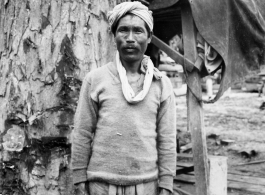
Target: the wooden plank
pixel 246 187
pixel 195 111
pixel 237 185
pixel 247 173
pixel 246 179
pixel 236 177
pixel 190 188
pixel 218 175
pixel 184 155
pixel 231 172
pixel 251 163
pixel 184 167
pixel 185 178
pixel 176 56
pixel 179 190
pixel 184 164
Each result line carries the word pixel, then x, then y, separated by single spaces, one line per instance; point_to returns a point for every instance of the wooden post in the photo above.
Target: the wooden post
pixel 195 111
pixel 218 175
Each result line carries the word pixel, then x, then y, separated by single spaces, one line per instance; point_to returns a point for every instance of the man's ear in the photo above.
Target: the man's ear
pixel 150 37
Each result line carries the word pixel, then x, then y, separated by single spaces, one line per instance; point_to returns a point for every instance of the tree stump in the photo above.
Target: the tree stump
pixel 46 48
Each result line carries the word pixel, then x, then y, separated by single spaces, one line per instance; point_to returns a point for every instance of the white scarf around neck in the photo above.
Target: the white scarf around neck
pixel 126 87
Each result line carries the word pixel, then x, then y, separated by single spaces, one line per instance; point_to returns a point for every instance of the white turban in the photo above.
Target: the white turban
pixel 135 8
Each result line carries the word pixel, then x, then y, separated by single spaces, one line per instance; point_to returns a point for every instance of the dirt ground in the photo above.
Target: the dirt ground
pixel 235 127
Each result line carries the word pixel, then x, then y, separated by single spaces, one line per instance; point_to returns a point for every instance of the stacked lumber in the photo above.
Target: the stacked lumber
pixel 236 180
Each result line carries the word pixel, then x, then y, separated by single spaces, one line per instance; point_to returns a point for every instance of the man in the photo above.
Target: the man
pixel 124 140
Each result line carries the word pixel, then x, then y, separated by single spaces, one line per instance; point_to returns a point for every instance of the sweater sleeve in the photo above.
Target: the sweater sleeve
pixel 166 129
pixel 82 136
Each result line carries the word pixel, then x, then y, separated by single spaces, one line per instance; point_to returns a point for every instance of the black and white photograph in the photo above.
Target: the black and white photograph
pixel 132 97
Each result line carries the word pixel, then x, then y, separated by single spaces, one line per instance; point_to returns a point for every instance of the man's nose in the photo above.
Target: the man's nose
pixel 130 38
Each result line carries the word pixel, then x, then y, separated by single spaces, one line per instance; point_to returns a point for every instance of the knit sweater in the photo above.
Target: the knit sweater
pixel 122 143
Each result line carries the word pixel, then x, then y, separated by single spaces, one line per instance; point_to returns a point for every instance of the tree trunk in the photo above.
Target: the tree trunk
pixel 46 48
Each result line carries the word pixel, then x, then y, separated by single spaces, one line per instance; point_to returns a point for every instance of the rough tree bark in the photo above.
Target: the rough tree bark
pixel 46 48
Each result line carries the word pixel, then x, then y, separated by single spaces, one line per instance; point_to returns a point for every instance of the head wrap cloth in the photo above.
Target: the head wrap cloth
pixel 135 8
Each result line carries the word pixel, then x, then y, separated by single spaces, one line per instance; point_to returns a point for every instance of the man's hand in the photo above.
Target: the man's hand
pixel 164 192
pixel 81 189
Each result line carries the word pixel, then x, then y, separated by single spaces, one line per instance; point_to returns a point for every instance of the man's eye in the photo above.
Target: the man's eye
pixel 122 30
pixel 138 30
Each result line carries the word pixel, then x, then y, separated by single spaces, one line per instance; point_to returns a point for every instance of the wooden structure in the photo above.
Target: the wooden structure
pixel 245 180
pixel 222 29
pixel 195 109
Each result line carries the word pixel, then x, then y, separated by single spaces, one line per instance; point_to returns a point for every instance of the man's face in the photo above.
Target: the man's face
pixel 131 38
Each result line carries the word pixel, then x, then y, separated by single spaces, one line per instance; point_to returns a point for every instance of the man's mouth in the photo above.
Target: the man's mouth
pixel 130 48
